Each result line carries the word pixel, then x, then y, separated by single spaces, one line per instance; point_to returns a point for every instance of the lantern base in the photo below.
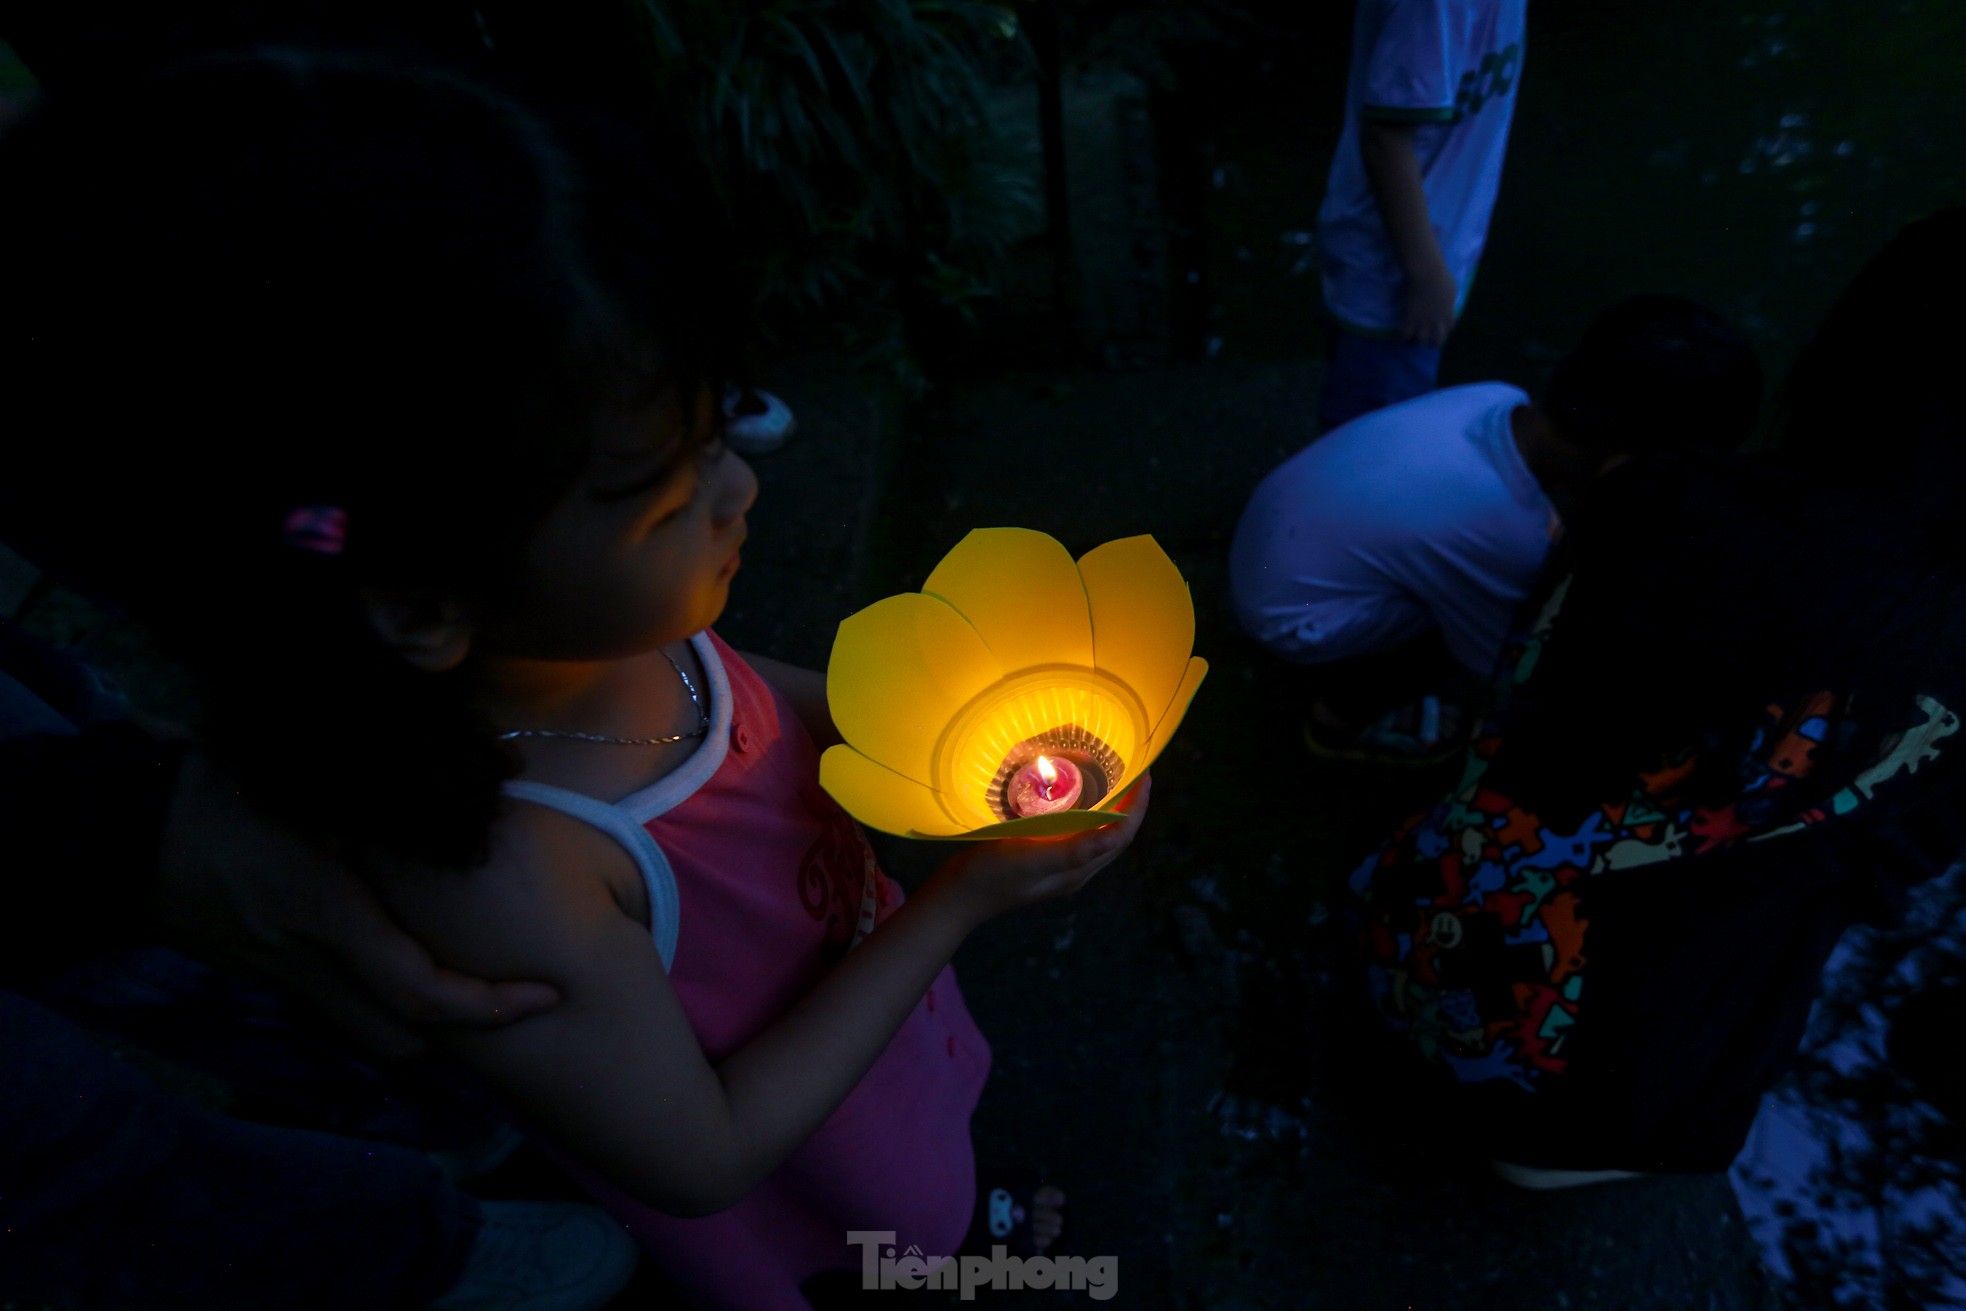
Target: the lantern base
pixel 1098 765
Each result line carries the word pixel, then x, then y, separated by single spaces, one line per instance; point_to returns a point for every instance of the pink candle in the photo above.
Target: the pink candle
pixel 1043 786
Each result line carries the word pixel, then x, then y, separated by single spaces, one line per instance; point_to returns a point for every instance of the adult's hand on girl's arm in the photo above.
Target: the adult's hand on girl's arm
pixel 806 690
pixel 237 889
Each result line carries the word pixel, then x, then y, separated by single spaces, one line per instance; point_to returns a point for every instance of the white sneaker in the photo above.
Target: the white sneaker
pixel 756 422
pixel 463 1165
pixel 543 1256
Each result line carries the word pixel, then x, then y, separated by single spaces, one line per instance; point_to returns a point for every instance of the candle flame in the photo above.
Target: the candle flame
pixel 1046 771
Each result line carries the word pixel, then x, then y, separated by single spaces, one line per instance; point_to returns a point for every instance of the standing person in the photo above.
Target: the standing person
pixel 1730 732
pixel 1389 557
pixel 457 508
pixel 1405 216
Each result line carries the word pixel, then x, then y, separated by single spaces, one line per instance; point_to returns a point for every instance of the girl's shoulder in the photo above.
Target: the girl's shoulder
pixel 547 875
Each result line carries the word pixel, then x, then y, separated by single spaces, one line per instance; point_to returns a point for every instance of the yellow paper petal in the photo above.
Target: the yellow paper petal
pixel 1021 590
pixel 899 671
pixel 880 798
pixel 1169 721
pixel 1057 824
pixel 1143 621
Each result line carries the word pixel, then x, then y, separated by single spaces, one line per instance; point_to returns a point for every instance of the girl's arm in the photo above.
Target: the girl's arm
pixel 806 690
pixel 614 1072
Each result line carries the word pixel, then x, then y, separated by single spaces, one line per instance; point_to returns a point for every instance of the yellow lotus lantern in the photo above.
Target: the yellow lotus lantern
pixel 1018 694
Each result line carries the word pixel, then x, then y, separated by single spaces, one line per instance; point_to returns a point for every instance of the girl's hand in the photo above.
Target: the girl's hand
pixel 993 877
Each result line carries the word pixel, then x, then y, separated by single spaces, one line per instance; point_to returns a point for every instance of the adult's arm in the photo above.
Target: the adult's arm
pixel 114 838
pixel 234 887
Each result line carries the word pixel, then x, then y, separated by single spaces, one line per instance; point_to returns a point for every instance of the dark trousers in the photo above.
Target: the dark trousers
pixel 1362 374
pixel 115 1194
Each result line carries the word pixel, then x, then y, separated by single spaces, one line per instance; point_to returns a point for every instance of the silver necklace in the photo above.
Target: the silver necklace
pixel 702 723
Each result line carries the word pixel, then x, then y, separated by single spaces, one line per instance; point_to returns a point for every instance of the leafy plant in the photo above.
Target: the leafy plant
pixel 851 139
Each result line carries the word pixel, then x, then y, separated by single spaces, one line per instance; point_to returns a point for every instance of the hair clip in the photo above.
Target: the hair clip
pixel 321 529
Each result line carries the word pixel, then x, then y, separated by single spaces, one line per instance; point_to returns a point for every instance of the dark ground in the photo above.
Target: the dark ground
pixel 1181 1047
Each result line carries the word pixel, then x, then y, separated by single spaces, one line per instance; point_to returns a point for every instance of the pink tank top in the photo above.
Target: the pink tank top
pixel 758 883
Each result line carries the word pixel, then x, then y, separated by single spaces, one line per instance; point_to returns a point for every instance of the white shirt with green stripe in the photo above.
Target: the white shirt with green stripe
pixel 1450 67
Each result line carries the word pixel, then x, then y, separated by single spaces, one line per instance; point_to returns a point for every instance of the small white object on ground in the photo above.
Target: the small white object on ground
pixel 543 1256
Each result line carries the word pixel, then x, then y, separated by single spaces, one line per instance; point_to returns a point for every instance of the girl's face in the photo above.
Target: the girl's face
pixel 642 551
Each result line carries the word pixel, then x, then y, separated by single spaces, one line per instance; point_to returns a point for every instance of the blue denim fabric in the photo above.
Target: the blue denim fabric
pixel 1363 374
pixel 116 1194
pixel 278 1065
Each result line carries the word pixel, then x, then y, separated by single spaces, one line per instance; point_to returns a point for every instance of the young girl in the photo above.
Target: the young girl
pixel 391 405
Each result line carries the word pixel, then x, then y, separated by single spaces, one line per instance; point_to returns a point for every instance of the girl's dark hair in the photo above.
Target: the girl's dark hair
pixel 271 280
pixel 1656 371
pixel 1709 585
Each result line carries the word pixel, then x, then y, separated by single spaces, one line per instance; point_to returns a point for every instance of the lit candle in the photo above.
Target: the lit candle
pixel 1043 786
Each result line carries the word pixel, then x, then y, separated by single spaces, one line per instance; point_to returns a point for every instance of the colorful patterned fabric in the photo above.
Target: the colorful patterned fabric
pixel 1481 919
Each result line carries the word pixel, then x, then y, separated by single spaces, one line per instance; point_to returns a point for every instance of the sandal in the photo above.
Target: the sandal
pixel 1424 733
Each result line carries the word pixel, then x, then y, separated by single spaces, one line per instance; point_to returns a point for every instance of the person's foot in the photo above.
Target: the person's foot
pixel 1423 733
pixel 756 422
pixel 543 1256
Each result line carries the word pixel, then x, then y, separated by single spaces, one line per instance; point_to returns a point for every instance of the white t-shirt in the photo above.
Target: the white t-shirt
pixel 1450 67
pixel 1417 515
